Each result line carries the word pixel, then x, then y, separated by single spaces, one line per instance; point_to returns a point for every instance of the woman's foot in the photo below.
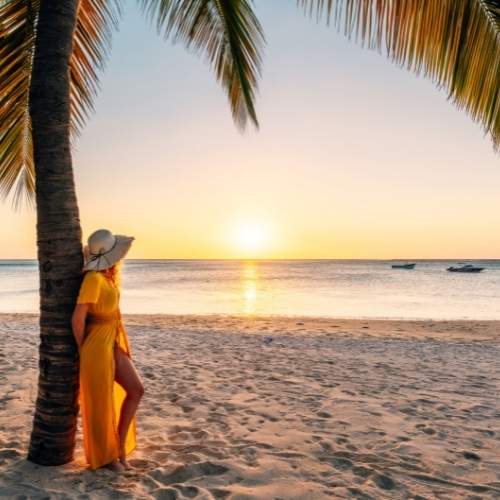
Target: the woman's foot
pixel 115 466
pixel 123 461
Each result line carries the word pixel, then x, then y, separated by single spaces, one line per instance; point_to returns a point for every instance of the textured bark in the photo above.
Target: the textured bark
pixel 58 235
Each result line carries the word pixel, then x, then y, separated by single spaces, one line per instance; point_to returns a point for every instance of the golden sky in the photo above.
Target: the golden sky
pixel 355 158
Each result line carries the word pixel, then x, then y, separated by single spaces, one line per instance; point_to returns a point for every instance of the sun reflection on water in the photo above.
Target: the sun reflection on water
pixel 249 287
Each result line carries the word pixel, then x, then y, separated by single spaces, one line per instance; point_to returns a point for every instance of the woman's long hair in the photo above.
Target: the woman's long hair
pixel 113 273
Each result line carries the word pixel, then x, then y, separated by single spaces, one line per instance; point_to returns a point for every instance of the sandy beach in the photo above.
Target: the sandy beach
pixel 281 408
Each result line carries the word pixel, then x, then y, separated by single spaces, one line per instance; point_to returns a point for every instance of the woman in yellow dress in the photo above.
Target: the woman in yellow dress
pixel 110 387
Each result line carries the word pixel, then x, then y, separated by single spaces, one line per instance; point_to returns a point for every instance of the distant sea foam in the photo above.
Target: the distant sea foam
pixel 328 288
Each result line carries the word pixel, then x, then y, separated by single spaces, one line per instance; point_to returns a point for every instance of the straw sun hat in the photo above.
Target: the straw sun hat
pixel 104 249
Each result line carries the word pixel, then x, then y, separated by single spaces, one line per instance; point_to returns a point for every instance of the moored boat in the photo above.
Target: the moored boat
pixel 409 265
pixel 466 268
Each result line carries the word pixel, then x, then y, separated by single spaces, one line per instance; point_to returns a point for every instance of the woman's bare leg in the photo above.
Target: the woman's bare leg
pixel 126 375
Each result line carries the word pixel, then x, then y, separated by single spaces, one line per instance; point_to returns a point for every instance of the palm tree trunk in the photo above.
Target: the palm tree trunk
pixel 58 235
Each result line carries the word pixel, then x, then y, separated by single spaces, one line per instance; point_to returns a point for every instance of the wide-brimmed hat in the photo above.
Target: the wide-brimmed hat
pixel 104 249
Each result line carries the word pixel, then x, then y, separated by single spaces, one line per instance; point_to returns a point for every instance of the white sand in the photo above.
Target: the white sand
pixel 327 408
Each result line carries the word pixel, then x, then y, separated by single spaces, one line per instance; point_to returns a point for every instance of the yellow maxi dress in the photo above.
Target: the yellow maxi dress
pixel 100 396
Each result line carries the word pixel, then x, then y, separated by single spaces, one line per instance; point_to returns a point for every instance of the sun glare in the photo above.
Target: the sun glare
pixel 250 237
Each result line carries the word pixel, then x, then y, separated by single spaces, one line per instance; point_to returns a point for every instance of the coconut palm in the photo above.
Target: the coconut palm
pixel 50 52
pixel 50 56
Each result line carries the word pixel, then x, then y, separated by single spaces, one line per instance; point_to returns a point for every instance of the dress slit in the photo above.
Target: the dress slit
pixel 113 412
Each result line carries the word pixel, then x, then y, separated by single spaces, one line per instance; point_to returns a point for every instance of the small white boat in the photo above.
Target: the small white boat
pixel 466 268
pixel 409 265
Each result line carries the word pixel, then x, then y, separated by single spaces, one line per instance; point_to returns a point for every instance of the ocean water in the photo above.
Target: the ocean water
pixel 326 288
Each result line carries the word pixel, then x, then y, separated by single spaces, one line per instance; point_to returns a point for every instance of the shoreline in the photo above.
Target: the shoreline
pixel 246 408
pixel 317 325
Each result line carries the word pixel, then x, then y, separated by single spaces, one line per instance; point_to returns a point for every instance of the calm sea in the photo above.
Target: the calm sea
pixel 331 288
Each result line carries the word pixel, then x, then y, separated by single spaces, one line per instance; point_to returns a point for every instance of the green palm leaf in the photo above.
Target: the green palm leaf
pixel 17 37
pixel 230 35
pixel 18 18
pixel 455 43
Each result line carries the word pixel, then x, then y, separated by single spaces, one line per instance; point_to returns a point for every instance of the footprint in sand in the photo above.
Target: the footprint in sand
pixel 180 436
pixel 9 453
pixel 363 472
pixel 428 430
pixel 187 491
pixel 161 456
pixel 384 482
pixel 165 494
pixel 470 455
pixel 219 493
pixel 186 472
pixel 324 414
pixel 338 462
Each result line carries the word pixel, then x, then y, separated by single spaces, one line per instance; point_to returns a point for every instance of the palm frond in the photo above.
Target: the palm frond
pixel 454 43
pixel 17 39
pixel 230 35
pixel 95 21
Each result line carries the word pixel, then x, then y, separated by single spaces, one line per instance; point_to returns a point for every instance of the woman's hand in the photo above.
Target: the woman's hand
pixel 78 323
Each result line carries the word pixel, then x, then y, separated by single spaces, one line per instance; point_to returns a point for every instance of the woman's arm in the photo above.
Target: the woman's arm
pixel 78 323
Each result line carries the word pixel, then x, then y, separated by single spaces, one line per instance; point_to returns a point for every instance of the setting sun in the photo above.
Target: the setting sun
pixel 250 237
